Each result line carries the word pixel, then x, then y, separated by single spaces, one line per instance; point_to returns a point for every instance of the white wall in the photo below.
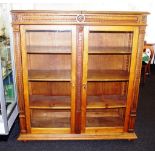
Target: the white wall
pixel 3 18
pixel 102 5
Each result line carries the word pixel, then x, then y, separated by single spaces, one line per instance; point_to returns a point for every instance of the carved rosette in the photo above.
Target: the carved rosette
pixel 80 18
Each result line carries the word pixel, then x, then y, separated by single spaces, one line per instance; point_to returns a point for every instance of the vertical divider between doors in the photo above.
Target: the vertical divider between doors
pixel 73 82
pixel 84 80
pixel 79 58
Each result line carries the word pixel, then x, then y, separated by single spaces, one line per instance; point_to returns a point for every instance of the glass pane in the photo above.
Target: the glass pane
pixel 110 42
pixel 109 56
pixel 49 67
pixel 105 118
pixel 7 77
pixel 49 54
pixel 52 95
pixel 50 118
pixel 52 41
pixel 103 95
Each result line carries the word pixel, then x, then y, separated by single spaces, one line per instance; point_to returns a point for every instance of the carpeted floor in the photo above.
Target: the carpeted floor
pixel 145 129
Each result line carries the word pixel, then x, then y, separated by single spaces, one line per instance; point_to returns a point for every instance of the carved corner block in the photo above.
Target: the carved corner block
pixel 16 28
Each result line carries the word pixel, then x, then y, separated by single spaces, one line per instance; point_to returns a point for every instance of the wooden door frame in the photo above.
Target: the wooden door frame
pixel 130 95
pixel 23 29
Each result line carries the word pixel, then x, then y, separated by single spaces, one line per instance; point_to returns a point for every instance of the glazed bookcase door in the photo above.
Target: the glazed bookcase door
pixel 48 59
pixel 8 101
pixel 108 77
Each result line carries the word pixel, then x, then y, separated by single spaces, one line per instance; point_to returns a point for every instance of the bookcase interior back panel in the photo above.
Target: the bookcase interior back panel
pixel 50 118
pixel 101 62
pixel 101 40
pixel 50 88
pixel 107 88
pixel 54 41
pixel 105 118
pixel 49 62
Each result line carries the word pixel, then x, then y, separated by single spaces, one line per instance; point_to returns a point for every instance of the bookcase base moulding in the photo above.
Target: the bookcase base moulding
pixel 108 136
pixel 78 73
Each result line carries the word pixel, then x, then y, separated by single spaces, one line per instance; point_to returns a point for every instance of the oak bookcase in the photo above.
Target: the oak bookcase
pixel 78 73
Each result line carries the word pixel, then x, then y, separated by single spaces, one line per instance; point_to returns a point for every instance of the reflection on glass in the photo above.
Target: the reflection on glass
pixel 7 74
pixel 108 76
pixel 49 54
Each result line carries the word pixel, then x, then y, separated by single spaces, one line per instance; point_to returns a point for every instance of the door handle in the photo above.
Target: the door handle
pixel 84 86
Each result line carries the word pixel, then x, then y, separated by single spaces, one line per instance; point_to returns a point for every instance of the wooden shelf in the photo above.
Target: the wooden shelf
pixel 108 75
pixel 50 118
pixel 106 101
pixel 48 49
pixel 50 102
pixel 110 50
pixel 49 75
pixel 103 119
pixel 64 75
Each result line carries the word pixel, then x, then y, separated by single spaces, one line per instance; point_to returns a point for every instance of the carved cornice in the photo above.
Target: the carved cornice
pixel 143 19
pixel 41 18
pixel 113 18
pixel 51 18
